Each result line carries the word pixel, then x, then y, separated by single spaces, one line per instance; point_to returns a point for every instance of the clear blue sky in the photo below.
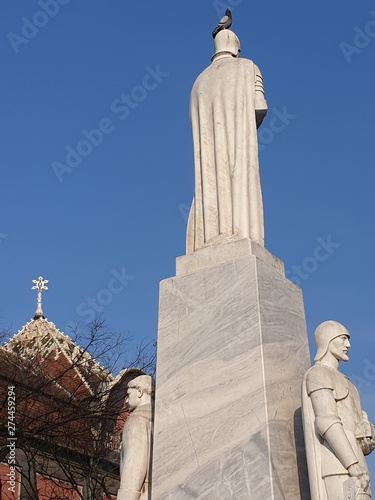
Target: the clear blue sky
pixel 120 210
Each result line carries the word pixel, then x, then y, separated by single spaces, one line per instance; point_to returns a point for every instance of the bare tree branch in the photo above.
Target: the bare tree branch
pixel 69 408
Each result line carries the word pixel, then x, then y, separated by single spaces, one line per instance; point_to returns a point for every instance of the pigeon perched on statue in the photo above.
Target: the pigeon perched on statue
pixel 225 23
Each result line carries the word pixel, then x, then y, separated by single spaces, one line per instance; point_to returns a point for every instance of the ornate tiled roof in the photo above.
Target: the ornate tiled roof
pixel 42 343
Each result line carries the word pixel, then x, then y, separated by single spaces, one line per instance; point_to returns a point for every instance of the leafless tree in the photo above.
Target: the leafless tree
pixel 69 414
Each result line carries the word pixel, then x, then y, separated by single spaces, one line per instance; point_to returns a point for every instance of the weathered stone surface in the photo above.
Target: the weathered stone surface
pixel 232 351
pixel 222 249
pixel 227 105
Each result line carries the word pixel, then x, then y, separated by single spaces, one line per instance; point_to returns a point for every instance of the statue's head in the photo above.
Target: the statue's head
pixel 226 43
pixel 324 334
pixel 141 390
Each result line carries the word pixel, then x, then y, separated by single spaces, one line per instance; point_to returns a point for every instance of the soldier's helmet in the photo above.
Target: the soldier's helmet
pixel 323 335
pixel 226 41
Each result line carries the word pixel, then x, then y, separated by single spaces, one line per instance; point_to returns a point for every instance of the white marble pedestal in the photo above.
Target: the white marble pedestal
pixel 232 352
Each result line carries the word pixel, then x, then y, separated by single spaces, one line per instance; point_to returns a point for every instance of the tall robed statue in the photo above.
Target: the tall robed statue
pixel 227 106
pixel 338 434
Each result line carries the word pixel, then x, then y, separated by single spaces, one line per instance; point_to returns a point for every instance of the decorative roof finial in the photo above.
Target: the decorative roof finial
pixel 40 285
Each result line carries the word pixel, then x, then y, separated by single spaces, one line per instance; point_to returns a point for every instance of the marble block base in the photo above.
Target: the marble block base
pixel 223 249
pixel 232 352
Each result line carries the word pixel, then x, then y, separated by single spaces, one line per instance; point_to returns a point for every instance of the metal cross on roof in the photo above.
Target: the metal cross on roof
pixel 40 285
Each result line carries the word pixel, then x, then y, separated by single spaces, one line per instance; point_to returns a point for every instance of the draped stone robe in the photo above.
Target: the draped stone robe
pixel 226 106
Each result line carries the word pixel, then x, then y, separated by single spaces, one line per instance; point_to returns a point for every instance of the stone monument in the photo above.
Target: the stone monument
pixel 227 106
pixel 136 446
pixel 337 431
pixel 232 343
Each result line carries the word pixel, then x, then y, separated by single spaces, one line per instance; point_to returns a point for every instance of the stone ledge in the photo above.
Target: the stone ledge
pixel 223 250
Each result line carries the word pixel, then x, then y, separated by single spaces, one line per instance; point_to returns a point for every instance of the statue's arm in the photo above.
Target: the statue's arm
pixel 366 435
pixel 135 446
pixel 328 425
pixel 260 102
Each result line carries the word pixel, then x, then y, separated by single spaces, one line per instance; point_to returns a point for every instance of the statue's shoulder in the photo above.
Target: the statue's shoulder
pixel 225 64
pixel 138 419
pixel 236 62
pixel 323 377
pixel 143 412
pixel 319 377
pixel 249 65
pixel 246 62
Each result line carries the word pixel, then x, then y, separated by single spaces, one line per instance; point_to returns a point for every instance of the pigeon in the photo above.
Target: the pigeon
pixel 225 23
